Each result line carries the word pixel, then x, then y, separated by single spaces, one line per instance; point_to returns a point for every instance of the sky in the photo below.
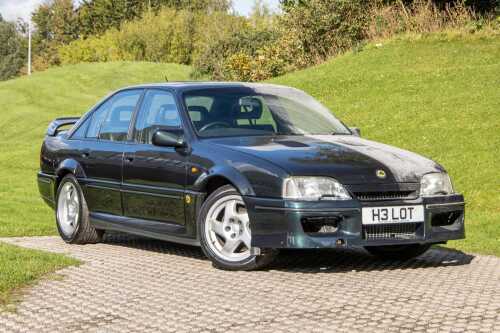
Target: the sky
pixel 13 9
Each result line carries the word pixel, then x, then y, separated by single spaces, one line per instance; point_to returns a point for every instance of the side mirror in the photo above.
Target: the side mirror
pixel 167 139
pixel 356 131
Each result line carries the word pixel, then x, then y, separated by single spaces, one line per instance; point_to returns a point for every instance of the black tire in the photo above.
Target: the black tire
pixel 398 252
pixel 84 232
pixel 251 263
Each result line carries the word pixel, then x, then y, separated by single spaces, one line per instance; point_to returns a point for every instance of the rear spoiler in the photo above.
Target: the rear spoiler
pixel 60 122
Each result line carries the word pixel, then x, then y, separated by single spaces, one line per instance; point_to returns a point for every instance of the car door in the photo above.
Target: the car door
pixel 154 177
pixel 101 152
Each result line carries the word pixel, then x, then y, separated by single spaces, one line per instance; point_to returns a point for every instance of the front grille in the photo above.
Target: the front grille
pixel 392 231
pixel 384 196
pixel 385 192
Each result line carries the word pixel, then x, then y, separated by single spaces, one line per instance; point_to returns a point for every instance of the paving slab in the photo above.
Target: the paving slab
pixel 129 284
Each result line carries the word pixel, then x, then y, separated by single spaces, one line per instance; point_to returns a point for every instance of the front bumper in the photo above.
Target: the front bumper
pixel 277 223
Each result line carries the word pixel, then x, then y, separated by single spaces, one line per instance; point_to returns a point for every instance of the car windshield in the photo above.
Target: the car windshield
pixel 258 110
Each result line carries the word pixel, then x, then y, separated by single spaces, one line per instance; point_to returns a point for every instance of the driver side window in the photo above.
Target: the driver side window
pixel 158 111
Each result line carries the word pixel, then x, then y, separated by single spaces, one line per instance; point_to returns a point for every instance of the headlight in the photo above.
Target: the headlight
pixel 314 188
pixel 435 184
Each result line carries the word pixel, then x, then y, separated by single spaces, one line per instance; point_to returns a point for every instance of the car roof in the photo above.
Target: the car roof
pixel 192 85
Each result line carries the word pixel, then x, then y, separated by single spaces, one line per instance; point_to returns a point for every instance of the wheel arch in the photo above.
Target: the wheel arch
pixel 212 180
pixel 68 166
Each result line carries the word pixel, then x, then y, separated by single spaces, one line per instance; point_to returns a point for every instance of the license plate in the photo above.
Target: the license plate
pixel 392 214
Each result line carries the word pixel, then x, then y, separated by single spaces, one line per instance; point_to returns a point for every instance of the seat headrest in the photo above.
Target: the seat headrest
pixel 248 108
pixel 117 114
pixel 198 108
pixel 198 112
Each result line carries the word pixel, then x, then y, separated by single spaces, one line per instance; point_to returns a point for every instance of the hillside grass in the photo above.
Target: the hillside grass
pixel 437 95
pixel 28 104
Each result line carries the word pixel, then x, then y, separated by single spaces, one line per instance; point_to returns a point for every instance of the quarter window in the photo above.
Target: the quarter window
pixel 80 132
pixel 158 111
pixel 97 119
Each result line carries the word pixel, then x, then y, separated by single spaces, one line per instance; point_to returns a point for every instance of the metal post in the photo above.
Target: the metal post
pixel 29 47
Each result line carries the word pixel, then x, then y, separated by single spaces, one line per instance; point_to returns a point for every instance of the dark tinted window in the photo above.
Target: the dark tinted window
pixel 117 121
pixel 158 111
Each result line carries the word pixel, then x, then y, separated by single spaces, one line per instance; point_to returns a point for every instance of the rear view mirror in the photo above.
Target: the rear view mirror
pixel 167 139
pixel 355 131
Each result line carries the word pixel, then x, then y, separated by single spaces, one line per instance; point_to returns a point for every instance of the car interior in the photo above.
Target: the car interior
pixel 228 114
pixel 115 128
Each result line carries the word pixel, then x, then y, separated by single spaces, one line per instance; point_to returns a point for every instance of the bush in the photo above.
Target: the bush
pixel 233 57
pixel 164 37
pixel 425 17
pixel 318 29
pixel 170 35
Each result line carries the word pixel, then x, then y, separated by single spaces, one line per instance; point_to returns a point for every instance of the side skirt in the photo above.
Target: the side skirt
pixel 151 229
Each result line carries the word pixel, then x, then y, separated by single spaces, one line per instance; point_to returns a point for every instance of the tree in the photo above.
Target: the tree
pixel 56 23
pixel 12 50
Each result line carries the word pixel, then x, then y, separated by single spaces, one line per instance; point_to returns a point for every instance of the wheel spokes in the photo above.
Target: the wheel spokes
pixel 246 238
pixel 217 227
pixel 231 245
pixel 229 211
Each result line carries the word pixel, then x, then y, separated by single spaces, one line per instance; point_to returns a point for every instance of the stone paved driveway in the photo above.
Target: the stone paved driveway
pixel 137 285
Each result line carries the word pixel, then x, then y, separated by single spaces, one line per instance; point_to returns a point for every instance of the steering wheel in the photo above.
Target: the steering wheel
pixel 215 123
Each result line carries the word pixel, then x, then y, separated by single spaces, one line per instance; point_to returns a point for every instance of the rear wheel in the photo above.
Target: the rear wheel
pixel 224 230
pixel 72 215
pixel 398 252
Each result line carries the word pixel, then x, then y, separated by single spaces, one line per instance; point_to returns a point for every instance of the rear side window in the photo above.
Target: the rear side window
pixel 158 111
pixel 111 120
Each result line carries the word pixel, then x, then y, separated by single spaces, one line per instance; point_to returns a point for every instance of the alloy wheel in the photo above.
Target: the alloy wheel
pixel 68 209
pixel 227 229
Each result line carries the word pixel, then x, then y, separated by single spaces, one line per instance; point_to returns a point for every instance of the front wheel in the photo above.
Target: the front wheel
pixel 72 214
pixel 224 231
pixel 398 252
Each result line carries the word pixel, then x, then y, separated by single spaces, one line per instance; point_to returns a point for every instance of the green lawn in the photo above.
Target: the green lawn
pixel 28 105
pixel 438 96
pixel 20 266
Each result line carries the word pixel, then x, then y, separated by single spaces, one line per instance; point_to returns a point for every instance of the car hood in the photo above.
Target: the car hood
pixel 347 158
